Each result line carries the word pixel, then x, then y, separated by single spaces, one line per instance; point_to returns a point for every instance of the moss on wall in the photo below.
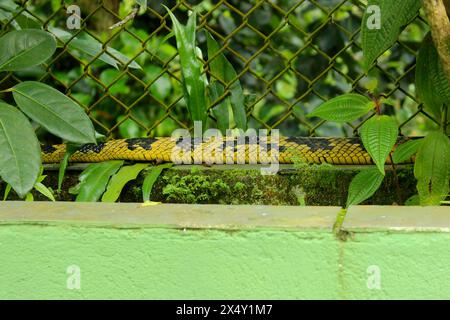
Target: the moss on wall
pixel 293 185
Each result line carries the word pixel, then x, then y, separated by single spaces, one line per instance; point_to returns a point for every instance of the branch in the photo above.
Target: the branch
pixel 440 30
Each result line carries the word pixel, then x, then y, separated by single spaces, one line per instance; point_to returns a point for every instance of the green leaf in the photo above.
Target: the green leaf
pixel 29 197
pixel 120 179
pixel 413 200
pixel 95 180
pixel 44 191
pixel 142 3
pixel 151 178
pixel 20 156
pixel 22 49
pixel 432 168
pixel 363 186
pixel 191 68
pixel 27 21
pixel 432 85
pixel 20 21
pixel 394 15
pixel 70 149
pixel 119 84
pixel 220 111
pixel 406 151
pixel 82 178
pixel 345 108
pixel 89 48
pixel 7 191
pixel 57 113
pixel 379 135
pixel 223 70
pixel 9 5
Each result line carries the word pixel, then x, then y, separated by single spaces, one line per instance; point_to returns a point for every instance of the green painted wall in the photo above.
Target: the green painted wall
pixel 118 260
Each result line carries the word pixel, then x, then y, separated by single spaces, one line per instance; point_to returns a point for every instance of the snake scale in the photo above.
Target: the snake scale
pixel 340 151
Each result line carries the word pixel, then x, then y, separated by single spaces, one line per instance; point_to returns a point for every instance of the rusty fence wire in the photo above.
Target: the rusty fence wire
pixel 290 56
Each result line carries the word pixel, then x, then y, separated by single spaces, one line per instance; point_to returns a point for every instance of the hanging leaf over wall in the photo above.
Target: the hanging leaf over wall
pixel 393 16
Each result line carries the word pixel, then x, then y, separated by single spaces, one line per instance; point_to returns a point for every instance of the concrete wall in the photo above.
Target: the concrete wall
pixel 130 251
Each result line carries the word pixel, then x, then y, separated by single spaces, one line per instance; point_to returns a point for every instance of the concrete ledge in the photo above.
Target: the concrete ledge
pixel 222 252
pixel 179 216
pixel 413 219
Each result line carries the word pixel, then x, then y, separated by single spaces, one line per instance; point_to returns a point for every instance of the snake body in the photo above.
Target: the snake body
pixel 340 151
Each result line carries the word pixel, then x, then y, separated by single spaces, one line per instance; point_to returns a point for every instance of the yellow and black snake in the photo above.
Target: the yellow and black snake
pixel 341 151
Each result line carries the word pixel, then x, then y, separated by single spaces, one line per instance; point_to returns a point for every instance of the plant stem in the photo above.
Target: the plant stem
pixel 440 29
pixel 397 183
pixel 7 90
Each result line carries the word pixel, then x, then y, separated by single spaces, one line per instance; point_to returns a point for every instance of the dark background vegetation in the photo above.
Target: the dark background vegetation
pixel 291 56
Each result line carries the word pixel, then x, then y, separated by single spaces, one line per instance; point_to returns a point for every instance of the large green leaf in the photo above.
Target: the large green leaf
pixel 432 85
pixel 57 113
pixel 20 155
pixel 379 135
pixel 432 168
pixel 120 179
pixel 93 183
pixel 22 49
pixel 151 178
pixel 223 70
pixel 191 68
pixel 406 151
pixel 394 15
pixel 363 186
pixel 345 108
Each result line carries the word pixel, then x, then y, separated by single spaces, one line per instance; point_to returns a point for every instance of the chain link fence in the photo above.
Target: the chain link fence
pixel 290 57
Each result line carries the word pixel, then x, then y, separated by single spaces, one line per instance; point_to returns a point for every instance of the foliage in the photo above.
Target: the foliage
pixel 363 186
pixel 289 57
pixel 345 108
pixel 46 106
pixel 222 72
pixel 196 85
pixel 406 151
pixel 432 169
pixel 120 179
pixel 106 180
pixel 94 179
pixel 39 187
pixel 432 84
pixel 275 64
pixel 379 134
pixel 150 180
pixel 20 156
pixel 394 16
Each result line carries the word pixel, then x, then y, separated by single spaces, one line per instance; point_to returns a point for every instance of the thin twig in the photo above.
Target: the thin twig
pixel 129 17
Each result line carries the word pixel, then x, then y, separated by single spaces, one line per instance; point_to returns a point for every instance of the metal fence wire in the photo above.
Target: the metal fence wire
pixel 290 57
